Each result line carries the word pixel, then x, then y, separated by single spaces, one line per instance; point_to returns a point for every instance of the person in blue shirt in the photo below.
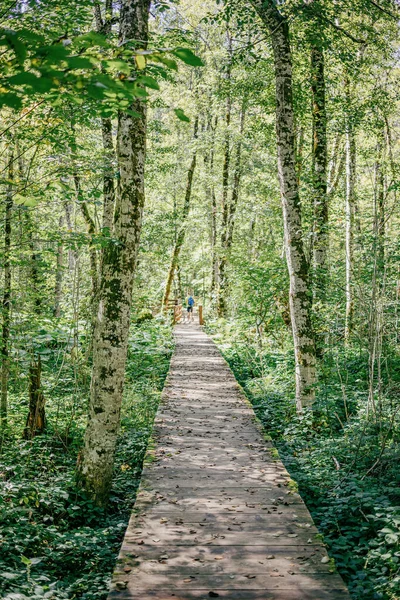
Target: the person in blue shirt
pixel 190 304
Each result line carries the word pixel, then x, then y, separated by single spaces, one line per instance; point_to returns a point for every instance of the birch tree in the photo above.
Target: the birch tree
pixel 300 299
pixel 117 271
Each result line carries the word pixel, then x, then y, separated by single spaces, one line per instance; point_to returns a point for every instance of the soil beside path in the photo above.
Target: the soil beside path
pixel 216 514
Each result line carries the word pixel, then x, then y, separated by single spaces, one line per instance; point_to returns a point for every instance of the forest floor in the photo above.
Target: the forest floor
pixel 217 514
pixel 54 543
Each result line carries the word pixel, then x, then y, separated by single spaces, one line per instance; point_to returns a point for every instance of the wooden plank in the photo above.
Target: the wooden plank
pixel 217 514
pixel 244 594
pixel 251 559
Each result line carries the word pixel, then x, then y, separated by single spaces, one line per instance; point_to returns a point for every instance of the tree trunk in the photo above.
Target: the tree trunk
pixel 36 421
pixel 379 209
pixel 91 229
pixel 350 212
pixel 108 177
pixel 230 222
pixel 210 193
pixel 103 25
pixel 300 298
pixel 68 218
pixel 319 168
pixel 5 337
pixel 59 273
pixel 95 463
pixel 221 305
pixel 180 238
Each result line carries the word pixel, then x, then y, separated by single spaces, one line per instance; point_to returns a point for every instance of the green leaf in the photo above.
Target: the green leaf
pixel 80 62
pixel 148 81
pixel 11 100
pixel 15 44
pixel 181 115
pixel 168 62
pixel 26 561
pixel 188 57
pixel 92 39
pixel 39 84
pixel 28 201
pixel 118 65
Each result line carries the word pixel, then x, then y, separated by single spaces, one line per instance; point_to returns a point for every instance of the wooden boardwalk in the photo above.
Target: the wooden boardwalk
pixel 216 513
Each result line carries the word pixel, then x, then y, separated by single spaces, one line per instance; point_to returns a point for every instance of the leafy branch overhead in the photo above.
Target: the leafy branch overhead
pixel 87 68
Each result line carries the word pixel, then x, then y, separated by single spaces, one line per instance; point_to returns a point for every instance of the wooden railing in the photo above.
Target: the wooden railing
pixel 177 311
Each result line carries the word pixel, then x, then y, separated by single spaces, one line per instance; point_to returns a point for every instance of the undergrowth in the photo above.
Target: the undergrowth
pixel 54 543
pixel 343 455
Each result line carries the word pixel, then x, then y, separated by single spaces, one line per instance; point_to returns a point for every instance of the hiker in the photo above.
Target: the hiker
pixel 190 304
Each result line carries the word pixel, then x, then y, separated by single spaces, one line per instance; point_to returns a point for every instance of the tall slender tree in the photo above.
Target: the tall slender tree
pixel 6 304
pixel 180 238
pixel 300 296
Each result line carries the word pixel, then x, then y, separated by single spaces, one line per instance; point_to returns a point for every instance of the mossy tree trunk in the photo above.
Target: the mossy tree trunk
pixel 110 343
pixel 36 419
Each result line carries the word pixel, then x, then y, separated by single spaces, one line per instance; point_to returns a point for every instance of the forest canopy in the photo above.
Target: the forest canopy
pixel 245 153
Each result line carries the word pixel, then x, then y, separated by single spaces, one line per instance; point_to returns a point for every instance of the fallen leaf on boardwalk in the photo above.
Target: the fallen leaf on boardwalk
pixel 140 542
pixel 156 540
pixel 292 535
pixel 218 558
pixel 270 556
pixel 213 594
pixel 250 576
pixel 127 569
pixel 121 585
pixel 325 559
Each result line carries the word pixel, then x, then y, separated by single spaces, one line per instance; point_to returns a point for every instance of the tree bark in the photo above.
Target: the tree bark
pixel 319 170
pixel 227 238
pixel 6 304
pixel 210 193
pixel 379 209
pixel 300 298
pixel 103 25
pixel 350 213
pixel 95 463
pixel 59 273
pixel 36 420
pixel 221 304
pixel 180 238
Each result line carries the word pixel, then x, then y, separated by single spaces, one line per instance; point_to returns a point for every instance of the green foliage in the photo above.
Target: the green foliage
pixel 55 543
